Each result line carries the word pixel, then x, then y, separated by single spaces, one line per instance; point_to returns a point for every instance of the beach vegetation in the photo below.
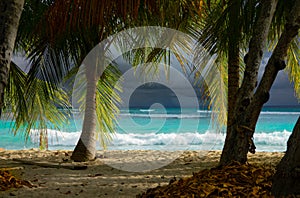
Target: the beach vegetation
pixel 79 30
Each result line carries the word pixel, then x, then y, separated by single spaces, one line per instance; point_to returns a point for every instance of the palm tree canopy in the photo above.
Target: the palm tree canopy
pixel 67 30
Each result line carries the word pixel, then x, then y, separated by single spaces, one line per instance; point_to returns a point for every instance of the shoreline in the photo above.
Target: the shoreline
pixel 101 178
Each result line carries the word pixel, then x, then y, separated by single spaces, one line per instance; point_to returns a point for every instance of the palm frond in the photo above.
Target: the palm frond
pixel 33 106
pixel 15 102
pixel 107 99
pixel 212 78
pixel 293 66
pixel 43 111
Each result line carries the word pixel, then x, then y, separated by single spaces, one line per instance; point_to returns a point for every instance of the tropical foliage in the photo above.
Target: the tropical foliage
pixel 235 33
pixel 67 31
pixel 234 26
pixel 59 46
pixel 215 34
pixel 33 106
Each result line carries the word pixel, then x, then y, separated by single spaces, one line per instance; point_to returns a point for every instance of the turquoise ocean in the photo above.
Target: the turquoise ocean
pixel 164 129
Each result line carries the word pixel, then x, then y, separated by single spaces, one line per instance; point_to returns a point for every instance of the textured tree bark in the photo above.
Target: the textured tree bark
pixel 275 64
pixel 85 149
pixel 233 61
pixel 286 180
pixel 249 106
pixel 238 140
pixel 233 58
pixel 10 13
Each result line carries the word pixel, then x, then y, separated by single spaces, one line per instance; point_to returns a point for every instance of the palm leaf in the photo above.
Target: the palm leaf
pixel 32 106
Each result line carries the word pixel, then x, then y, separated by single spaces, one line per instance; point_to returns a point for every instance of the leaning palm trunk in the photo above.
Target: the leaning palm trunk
pixel 86 147
pixel 10 13
pixel 249 104
pixel 286 180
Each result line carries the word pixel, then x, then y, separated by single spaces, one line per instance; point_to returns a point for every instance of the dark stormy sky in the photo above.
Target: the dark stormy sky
pixel 282 92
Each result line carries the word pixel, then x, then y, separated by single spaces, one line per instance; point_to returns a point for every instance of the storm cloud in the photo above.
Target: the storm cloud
pixel 281 94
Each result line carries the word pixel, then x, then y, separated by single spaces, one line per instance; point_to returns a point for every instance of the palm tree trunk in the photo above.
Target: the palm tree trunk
pixel 275 64
pixel 238 138
pixel 44 140
pixel 286 180
pixel 233 60
pixel 10 13
pixel 86 147
pixel 239 141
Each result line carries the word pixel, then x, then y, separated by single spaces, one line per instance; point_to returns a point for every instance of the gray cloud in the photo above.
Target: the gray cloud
pixel 282 91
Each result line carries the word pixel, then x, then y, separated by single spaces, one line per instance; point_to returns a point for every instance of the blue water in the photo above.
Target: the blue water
pixel 166 129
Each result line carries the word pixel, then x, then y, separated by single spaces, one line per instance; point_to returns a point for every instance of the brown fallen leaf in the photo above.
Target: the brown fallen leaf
pixel 7 181
pixel 234 180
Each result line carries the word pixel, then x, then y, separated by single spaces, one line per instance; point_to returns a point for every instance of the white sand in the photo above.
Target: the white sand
pixel 102 178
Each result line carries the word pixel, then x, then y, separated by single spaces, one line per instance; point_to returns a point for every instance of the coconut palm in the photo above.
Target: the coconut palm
pixel 83 39
pixel 69 42
pixel 53 55
pixel 32 104
pixel 10 13
pixel 72 29
pixel 246 103
pixel 13 80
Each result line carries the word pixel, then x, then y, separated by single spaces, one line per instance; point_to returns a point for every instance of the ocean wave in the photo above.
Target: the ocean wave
pixel 166 139
pixel 279 113
pixel 162 115
pixel 57 137
pixel 147 110
pixel 204 111
pixel 263 112
pixel 277 138
pixel 172 139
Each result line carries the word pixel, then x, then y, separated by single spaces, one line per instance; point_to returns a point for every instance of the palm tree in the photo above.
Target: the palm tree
pixel 72 30
pixel 67 43
pixel 32 103
pixel 13 80
pixel 55 49
pixel 75 44
pixel 10 13
pixel 72 43
pixel 285 181
pixel 253 27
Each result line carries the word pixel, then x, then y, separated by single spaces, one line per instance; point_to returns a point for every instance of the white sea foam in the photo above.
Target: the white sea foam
pixel 263 112
pixel 57 137
pixel 208 139
pixel 279 113
pixel 175 116
pixel 203 111
pixel 275 138
pixel 147 110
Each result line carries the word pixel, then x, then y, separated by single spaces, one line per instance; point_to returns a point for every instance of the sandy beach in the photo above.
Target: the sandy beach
pixel 112 174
